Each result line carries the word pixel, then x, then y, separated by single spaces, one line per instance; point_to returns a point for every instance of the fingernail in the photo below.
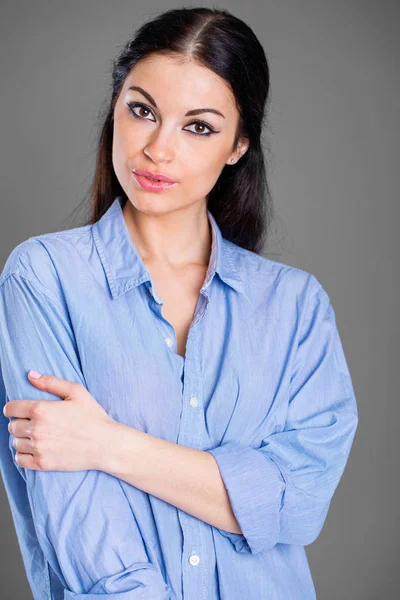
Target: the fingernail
pixel 34 374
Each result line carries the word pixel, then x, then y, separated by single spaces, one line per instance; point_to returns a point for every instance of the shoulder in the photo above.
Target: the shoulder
pixel 262 274
pixel 39 258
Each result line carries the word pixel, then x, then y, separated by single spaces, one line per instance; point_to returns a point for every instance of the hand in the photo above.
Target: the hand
pixel 59 436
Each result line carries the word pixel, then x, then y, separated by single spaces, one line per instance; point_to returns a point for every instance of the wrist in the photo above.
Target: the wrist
pixel 106 439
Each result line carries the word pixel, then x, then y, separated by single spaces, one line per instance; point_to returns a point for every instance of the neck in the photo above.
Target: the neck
pixel 177 239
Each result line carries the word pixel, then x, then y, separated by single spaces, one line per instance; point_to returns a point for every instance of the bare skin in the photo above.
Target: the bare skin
pixel 179 292
pixel 177 288
pixel 170 230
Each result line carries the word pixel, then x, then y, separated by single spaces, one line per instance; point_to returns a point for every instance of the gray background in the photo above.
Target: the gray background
pixel 334 136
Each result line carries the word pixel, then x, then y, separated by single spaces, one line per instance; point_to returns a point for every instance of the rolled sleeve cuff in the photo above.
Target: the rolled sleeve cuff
pixel 256 487
pixel 137 594
pixel 146 583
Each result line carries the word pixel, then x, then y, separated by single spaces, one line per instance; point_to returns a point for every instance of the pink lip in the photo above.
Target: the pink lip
pixel 151 186
pixel 154 175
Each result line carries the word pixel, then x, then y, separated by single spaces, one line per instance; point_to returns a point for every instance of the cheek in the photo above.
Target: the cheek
pixel 118 145
pixel 123 139
pixel 117 158
pixel 209 165
pixel 201 175
pixel 123 148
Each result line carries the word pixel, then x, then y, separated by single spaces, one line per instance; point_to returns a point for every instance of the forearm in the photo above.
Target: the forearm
pixel 186 478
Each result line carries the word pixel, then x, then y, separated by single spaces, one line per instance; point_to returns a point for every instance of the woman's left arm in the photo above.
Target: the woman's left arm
pixel 184 477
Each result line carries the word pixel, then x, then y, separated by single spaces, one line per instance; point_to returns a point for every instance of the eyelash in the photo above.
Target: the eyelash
pixel 132 105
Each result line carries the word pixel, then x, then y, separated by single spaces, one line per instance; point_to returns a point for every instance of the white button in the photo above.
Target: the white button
pixel 169 342
pixel 193 401
pixel 194 560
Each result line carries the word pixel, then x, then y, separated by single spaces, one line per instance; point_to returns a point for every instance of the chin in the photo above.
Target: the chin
pixel 151 203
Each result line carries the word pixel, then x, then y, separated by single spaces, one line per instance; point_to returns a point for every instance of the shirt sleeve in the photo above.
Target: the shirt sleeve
pixel 83 520
pixel 281 492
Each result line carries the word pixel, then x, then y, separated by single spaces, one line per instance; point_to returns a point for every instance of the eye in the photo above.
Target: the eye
pixel 202 124
pixel 133 105
pixel 139 105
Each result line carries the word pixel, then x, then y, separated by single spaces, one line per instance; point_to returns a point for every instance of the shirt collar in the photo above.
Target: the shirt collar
pixel 124 267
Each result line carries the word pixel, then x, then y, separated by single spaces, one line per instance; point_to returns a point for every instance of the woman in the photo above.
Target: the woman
pixel 208 411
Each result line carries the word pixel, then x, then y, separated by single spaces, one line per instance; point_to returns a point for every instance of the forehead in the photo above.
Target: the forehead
pixel 186 84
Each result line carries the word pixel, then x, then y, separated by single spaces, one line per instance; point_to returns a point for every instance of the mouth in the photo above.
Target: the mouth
pixel 153 176
pixel 145 182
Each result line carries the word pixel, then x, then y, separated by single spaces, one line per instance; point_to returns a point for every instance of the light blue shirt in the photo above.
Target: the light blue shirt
pixel 264 387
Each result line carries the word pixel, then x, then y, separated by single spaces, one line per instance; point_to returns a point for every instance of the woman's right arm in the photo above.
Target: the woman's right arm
pixel 84 522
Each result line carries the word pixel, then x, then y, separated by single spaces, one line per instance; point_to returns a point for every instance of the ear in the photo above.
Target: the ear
pixel 241 149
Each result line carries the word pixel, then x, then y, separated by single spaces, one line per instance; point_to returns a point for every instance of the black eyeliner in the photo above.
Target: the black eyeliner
pixel 132 105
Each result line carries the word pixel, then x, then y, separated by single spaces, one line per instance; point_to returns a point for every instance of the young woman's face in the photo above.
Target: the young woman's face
pixel 163 140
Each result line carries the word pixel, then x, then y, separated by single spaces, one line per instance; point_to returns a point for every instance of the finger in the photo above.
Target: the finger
pixel 19 427
pixel 18 408
pixel 26 461
pixel 23 445
pixel 54 385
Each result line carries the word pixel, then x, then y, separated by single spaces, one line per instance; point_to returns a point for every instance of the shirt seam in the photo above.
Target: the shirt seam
pixel 38 286
pixel 305 320
pixel 307 316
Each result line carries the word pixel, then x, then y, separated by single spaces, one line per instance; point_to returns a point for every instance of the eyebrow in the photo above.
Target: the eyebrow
pixel 195 111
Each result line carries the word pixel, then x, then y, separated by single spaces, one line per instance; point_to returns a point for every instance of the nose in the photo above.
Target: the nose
pixel 160 147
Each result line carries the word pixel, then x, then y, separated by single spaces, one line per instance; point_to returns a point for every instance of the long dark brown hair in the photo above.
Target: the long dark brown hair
pixel 240 200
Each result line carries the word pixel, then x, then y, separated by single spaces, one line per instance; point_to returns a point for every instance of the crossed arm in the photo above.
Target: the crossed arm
pixel 184 477
pixel 279 492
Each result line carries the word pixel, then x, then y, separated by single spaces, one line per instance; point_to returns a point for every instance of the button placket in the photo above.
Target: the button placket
pixel 193 401
pixel 194 580
pixel 169 342
pixel 194 560
pixel 161 322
